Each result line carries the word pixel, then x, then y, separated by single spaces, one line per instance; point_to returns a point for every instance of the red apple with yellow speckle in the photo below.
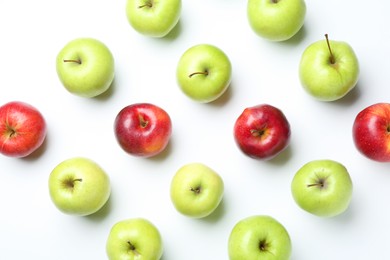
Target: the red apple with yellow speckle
pixel 371 132
pixel 143 129
pixel 22 129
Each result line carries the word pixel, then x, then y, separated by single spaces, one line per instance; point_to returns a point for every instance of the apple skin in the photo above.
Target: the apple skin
pixel 259 237
pixel 85 67
pixel 276 20
pixel 134 239
pixel 79 186
pixel 204 73
pixel 371 132
pixel 325 80
pixel 22 129
pixel 322 187
pixel 143 129
pixel 262 131
pixel 196 190
pixel 153 18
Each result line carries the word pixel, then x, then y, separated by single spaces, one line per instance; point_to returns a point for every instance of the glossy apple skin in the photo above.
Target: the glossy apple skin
pixel 371 132
pixel 143 129
pixel 136 238
pixel 22 129
pixel 259 237
pixel 262 131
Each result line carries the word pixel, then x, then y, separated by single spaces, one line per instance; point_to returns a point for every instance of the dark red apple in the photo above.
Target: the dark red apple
pixel 262 131
pixel 22 129
pixel 371 132
pixel 143 129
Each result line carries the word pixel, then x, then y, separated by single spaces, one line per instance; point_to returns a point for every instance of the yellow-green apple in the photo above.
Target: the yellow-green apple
pixel 143 129
pixel 262 131
pixel 322 187
pixel 204 72
pixel 22 129
pixel 85 66
pixel 196 190
pixel 154 18
pixel 276 20
pixel 259 237
pixel 134 239
pixel 79 186
pixel 328 70
pixel 371 132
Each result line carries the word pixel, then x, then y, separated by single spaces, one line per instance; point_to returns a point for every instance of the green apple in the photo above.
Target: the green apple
pixel 259 237
pixel 276 20
pixel 196 190
pixel 328 70
pixel 79 186
pixel 204 72
pixel 85 66
pixel 322 187
pixel 134 239
pixel 154 18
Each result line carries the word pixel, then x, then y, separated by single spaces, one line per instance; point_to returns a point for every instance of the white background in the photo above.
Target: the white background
pixel 33 32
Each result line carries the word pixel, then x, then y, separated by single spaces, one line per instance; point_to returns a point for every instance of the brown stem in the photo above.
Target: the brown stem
pixel 144 123
pixel 257 132
pixel 132 248
pixel 147 4
pixel 199 73
pixel 76 61
pixel 331 59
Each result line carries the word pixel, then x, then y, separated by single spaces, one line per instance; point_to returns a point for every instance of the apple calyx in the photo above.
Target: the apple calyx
pixel 147 4
pixel 132 248
pixel 196 190
pixel 206 73
pixel 332 60
pixel 257 132
pixel 263 245
pixel 75 61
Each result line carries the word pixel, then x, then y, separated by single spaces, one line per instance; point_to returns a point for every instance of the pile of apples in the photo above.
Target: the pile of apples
pixel 328 71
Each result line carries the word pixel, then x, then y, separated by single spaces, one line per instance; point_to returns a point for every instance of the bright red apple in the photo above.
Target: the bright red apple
pixel 371 132
pixel 143 129
pixel 22 129
pixel 262 131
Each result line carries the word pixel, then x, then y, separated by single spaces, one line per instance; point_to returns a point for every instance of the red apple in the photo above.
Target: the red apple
pixel 262 131
pixel 371 132
pixel 143 129
pixel 22 129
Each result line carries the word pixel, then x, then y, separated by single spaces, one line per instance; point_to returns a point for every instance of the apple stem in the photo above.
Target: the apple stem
pixel 132 248
pixel 199 73
pixel 147 4
pixel 144 123
pixel 331 59
pixel 76 61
